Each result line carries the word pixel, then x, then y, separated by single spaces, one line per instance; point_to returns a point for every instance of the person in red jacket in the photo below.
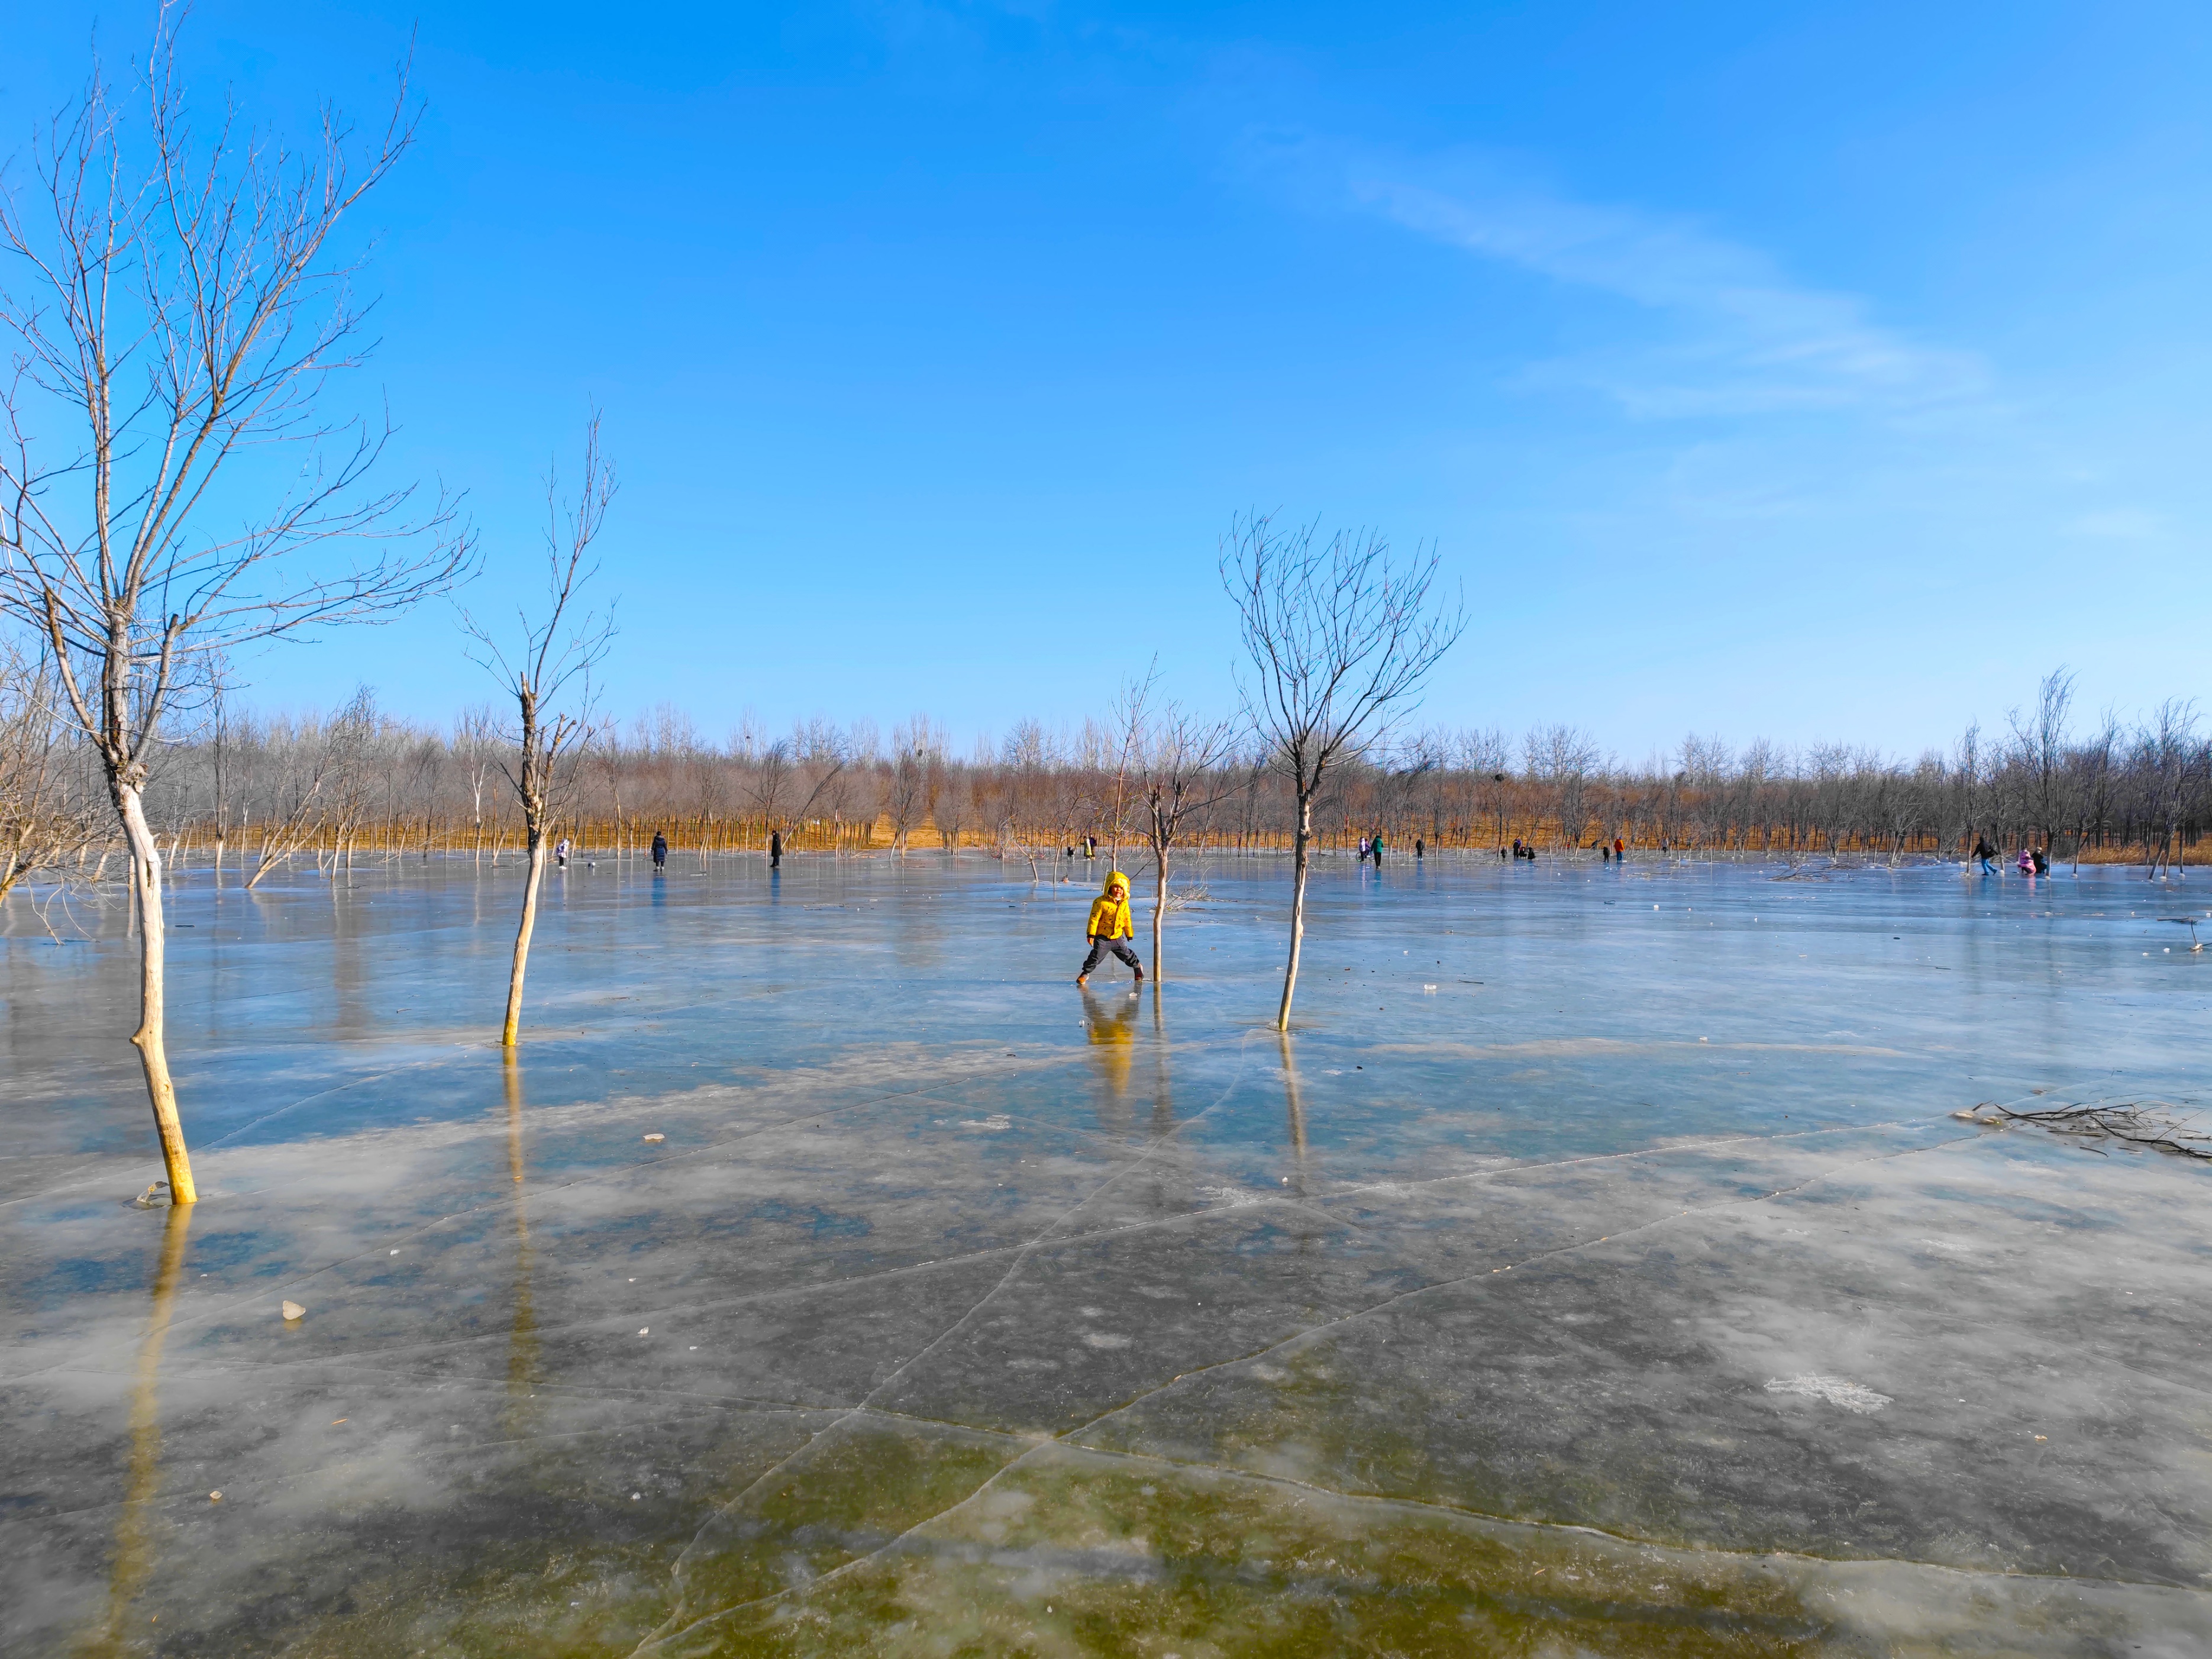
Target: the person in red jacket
pixel 1109 926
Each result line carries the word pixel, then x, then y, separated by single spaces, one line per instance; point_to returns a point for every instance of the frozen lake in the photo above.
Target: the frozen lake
pixel 1598 1267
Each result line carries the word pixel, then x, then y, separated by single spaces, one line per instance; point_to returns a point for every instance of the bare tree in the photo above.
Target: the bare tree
pixel 50 811
pixel 942 797
pixel 1340 639
pixel 2039 739
pixel 475 743
pixel 180 307
pixel 917 776
pixel 771 783
pixel 902 799
pixel 2168 751
pixel 1564 757
pixel 298 805
pixel 1970 772
pixel 1128 716
pixel 832 762
pixel 353 773
pixel 1900 800
pixel 847 794
pixel 1485 755
pixel 553 655
pixel 608 754
pixel 1399 776
pixel 2094 796
pixel 1184 768
pixel 777 777
pixel 216 729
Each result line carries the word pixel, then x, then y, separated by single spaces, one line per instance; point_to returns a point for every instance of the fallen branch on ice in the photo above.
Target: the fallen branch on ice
pixel 2159 1125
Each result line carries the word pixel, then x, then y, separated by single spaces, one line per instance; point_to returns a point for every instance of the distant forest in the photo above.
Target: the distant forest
pixel 357 781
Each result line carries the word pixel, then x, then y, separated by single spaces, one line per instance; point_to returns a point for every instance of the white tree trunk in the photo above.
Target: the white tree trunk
pixel 153 1055
pixel 1304 842
pixel 1159 907
pixel 522 944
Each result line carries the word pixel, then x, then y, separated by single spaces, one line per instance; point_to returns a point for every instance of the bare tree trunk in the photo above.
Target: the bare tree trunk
pixel 1303 841
pixel 153 1055
pixel 1159 906
pixel 522 942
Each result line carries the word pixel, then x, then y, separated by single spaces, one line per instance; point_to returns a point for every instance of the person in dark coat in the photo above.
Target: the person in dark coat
pixel 776 849
pixel 659 851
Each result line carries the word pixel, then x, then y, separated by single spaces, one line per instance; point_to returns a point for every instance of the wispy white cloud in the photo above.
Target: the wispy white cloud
pixel 2120 524
pixel 1739 337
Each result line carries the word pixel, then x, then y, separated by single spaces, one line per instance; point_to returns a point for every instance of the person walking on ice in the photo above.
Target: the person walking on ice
pixel 1109 925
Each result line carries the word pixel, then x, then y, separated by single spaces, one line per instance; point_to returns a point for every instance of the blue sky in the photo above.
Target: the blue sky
pixel 1810 372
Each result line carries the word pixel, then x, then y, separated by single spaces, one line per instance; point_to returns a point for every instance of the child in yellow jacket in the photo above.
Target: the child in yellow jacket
pixel 1109 926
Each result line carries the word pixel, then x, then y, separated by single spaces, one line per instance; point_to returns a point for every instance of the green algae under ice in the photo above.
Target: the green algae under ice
pixel 1598 1267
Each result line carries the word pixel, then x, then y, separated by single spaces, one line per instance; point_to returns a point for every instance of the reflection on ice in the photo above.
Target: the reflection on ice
pixel 522 1346
pixel 133 1559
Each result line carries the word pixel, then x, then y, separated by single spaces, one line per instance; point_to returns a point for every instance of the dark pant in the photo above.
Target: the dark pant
pixel 1100 945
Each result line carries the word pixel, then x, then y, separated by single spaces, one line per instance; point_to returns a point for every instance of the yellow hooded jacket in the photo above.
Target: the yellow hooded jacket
pixel 1109 911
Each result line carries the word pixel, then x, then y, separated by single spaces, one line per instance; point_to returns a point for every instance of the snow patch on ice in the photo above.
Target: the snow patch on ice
pixel 1235 1197
pixel 998 1121
pixel 1851 1396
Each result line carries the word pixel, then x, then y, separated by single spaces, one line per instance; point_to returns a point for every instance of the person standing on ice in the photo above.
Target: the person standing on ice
pixel 659 851
pixel 1109 925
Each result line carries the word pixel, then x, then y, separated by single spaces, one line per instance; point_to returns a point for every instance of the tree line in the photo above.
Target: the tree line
pixel 264 792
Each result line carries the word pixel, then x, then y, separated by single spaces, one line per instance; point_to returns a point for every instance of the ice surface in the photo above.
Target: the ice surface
pixel 1631 1290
